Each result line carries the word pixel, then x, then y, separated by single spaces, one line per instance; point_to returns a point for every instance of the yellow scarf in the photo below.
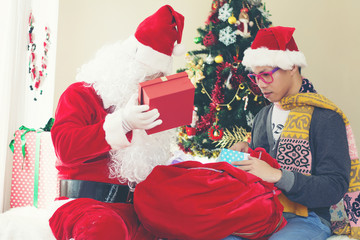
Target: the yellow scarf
pixel 297 126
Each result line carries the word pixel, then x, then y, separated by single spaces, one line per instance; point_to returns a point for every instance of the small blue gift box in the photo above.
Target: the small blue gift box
pixel 227 155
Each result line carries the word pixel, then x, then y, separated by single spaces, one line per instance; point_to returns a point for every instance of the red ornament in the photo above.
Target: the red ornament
pixel 212 18
pixel 190 131
pixel 215 5
pixel 244 10
pixel 30 38
pixel 209 39
pixel 31 19
pixel 37 84
pixel 206 120
pixel 236 62
pixel 33 72
pixel 32 57
pixel 215 133
pixel 43 63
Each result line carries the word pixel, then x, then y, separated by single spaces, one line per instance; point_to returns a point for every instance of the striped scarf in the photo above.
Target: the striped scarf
pixel 295 136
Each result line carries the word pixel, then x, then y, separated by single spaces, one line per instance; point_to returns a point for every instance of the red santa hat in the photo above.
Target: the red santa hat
pixel 157 35
pixel 274 47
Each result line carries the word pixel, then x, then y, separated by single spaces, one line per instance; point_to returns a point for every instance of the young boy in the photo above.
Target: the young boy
pixel 308 135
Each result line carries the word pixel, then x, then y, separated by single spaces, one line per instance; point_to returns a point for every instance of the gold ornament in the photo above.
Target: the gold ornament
pixel 235 64
pixel 216 133
pixel 232 19
pixel 229 107
pixel 256 98
pixel 241 86
pixel 237 97
pixel 195 78
pixel 190 73
pixel 199 76
pixel 188 57
pixel 219 59
pixel 218 108
pixel 203 91
pixel 194 72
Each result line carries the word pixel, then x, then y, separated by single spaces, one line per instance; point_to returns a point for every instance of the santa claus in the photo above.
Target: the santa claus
pixel 99 133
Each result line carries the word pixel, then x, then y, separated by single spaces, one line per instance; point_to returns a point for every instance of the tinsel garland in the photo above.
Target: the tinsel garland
pixel 217 94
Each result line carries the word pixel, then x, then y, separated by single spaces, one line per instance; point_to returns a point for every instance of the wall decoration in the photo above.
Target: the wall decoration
pixel 37 73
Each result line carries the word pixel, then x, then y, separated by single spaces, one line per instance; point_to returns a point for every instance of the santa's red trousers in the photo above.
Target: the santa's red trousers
pixel 88 219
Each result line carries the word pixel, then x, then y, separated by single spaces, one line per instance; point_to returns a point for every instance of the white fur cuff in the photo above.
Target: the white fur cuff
pixel 114 132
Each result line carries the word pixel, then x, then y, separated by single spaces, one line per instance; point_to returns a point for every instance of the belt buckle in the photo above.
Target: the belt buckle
pixel 130 196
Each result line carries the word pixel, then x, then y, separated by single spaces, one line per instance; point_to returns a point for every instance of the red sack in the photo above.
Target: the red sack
pixel 191 200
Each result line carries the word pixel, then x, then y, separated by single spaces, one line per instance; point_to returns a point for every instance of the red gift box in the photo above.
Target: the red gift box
pixel 34 177
pixel 173 96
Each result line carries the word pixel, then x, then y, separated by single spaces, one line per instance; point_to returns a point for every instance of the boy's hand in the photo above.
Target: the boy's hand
pixel 240 147
pixel 260 169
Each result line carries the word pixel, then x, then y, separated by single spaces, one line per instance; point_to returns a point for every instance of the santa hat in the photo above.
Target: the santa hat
pixel 274 47
pixel 157 35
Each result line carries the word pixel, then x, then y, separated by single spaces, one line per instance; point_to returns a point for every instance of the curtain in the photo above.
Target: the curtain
pixel 12 76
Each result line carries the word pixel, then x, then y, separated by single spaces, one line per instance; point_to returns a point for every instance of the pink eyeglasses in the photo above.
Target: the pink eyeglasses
pixel 266 77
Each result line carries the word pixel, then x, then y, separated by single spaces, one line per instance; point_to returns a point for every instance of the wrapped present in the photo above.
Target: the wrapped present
pixel 34 176
pixel 173 96
pixel 227 155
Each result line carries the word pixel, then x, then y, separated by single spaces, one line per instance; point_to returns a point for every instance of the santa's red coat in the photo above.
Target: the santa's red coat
pixel 83 152
pixel 88 219
pixel 79 137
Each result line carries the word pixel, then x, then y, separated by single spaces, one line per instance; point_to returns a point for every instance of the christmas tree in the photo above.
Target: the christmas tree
pixel 226 101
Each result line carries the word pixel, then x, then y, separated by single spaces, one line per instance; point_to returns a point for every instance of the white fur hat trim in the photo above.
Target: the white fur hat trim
pixel 274 58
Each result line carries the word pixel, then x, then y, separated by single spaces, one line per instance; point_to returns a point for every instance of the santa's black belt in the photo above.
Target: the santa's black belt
pixel 104 192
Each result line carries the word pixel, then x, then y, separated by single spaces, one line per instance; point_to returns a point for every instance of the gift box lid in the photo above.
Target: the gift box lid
pixel 173 96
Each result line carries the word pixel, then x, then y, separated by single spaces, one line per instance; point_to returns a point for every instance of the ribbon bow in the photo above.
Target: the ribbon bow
pixel 47 128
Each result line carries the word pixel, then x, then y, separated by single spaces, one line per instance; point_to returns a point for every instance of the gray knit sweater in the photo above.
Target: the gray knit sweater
pixel 330 172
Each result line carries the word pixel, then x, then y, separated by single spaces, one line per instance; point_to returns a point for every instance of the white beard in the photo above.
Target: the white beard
pixel 134 163
pixel 115 74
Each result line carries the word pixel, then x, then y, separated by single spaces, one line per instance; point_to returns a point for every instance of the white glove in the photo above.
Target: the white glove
pixel 138 117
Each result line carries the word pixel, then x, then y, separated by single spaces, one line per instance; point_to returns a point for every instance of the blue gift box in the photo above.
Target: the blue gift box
pixel 227 155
